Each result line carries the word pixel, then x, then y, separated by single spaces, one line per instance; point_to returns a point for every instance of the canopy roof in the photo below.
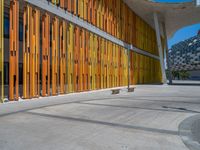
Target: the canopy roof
pixel 174 15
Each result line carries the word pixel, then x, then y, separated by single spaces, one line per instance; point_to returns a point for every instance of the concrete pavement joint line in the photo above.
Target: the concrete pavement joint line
pixel 181 108
pixel 155 109
pixel 162 101
pixel 161 131
pixel 80 101
pixel 53 104
pixel 57 103
pixel 43 106
pixel 170 96
pixel 185 131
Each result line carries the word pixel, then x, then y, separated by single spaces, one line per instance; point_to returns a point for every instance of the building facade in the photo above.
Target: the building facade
pixel 185 56
pixel 44 53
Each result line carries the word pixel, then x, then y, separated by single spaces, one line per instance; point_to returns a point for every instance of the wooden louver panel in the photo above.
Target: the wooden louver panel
pixel 76 59
pixel 31 50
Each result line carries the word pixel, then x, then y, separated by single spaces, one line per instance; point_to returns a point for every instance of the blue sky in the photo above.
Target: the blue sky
pixel 183 33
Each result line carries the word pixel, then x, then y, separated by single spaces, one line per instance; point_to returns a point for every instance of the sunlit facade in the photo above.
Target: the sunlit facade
pixel 44 54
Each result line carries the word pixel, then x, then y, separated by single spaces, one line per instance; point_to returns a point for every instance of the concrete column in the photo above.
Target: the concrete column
pixel 167 54
pixel 160 49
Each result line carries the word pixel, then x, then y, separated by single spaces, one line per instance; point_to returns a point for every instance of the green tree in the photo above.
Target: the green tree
pixel 184 75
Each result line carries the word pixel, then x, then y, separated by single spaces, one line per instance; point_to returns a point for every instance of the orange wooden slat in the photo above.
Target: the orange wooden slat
pixel 45 55
pixel 31 50
pixel 14 51
pixel 55 55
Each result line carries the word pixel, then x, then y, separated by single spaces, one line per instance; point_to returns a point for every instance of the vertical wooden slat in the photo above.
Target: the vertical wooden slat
pixel 86 63
pixel 37 53
pixel 64 4
pixel 26 51
pixel 90 12
pixel 85 10
pixel 76 58
pixel 31 50
pixel 70 57
pixel 69 5
pixel 63 55
pixel 81 55
pixel 55 55
pixel 13 53
pixel 102 62
pixel 45 55
pixel 34 53
pixel 90 61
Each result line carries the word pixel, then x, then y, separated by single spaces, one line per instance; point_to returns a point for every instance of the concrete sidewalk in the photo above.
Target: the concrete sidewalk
pixel 147 119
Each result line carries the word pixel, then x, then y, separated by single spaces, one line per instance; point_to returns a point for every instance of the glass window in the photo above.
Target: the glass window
pixel 7 30
pixel 6 27
pixel 21 31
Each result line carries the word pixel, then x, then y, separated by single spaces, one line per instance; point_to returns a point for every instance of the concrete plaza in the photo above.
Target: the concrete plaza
pixel 147 119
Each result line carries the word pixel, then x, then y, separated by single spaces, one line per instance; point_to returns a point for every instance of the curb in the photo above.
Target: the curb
pixel 188 133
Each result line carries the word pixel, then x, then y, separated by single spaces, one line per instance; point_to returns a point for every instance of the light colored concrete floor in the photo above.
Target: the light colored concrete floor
pixel 147 119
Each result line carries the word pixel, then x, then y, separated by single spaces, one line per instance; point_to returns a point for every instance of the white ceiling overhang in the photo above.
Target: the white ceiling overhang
pixel 174 15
